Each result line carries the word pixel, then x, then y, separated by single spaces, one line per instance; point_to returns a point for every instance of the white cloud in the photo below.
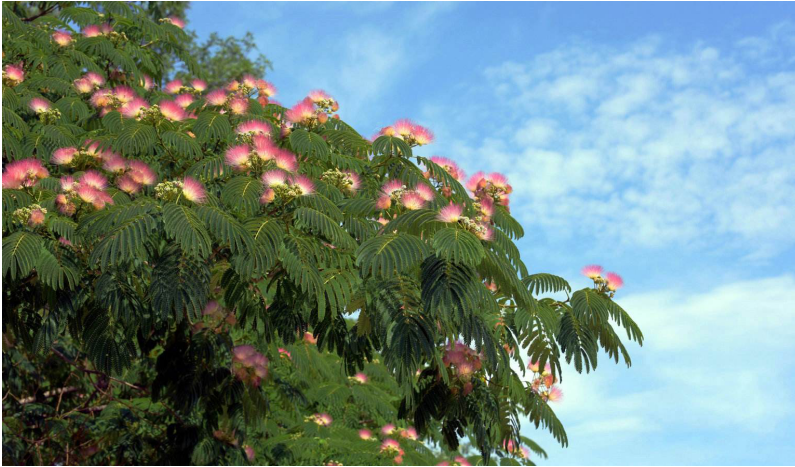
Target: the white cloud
pixel 644 146
pixel 717 362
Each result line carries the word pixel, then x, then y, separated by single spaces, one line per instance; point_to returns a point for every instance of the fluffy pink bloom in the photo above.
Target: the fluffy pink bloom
pixel 265 88
pixel 217 97
pixel 134 108
pixel 93 196
pixel 403 127
pixel 63 156
pixel 426 192
pixel 243 352
pixel 237 156
pixel 62 38
pixel 449 166
pixel 124 93
pixel 92 31
pixel 384 202
pixel 450 213
pixel 94 78
pixel 387 429
pixel 39 105
pixel 147 83
pixel 67 183
pixel 555 394
pixel 285 353
pixel 592 271
pixel 101 98
pixel 285 160
pixel 534 366
pixel 83 85
pixel 365 434
pixel 238 105
pixel 93 179
pixel 126 184
pixel 114 163
pixel 356 182
pixel 36 217
pixel 267 196
pixel 409 433
pixel 360 377
pixel 390 444
pixel 486 234
pixel 412 201
pixel 301 112
pixel 308 337
pixel 178 22
pixel 23 173
pixel 65 207
pixel 264 148
pixel 497 179
pixel 305 184
pixel 318 95
pixel 14 73
pixel 173 87
pixel 193 190
pixel 250 81
pixel 233 86
pixel 476 181
pixel 614 281
pixel 272 178
pixel 523 452
pixel 172 111
pixel 141 173
pixel 184 100
pixel 487 206
pixel 254 127
pixel 323 419
pixel 250 454
pixel 421 135
pixel 392 186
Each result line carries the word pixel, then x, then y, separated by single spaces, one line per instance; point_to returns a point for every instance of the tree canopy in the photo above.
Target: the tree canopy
pixel 193 273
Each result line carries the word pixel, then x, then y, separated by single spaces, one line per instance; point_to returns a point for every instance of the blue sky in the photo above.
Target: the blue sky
pixel 655 139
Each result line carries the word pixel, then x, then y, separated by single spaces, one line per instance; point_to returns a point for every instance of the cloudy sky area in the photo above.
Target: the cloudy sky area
pixel 655 139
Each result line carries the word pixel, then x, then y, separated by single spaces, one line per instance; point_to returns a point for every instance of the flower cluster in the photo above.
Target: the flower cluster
pixel 458 460
pixel 395 192
pixel 62 37
pixel 13 75
pixel 493 187
pixel 544 382
pixel 449 166
pixel 44 109
pixel 479 225
pixel 188 188
pixel 215 317
pixel 359 377
pixel 607 284
pixel 32 215
pixel 463 362
pixel 284 186
pixel 313 109
pixel 24 173
pixel 89 189
pixel 346 180
pixel 260 155
pixel 391 447
pixel 408 131
pixel 322 419
pixel 248 365
pixel 520 451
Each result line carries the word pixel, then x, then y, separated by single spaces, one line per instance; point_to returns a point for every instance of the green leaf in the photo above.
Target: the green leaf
pixel 389 145
pixel 321 224
pixel 184 226
pixel 458 245
pixel 212 126
pixel 21 250
pixel 543 283
pixel 57 269
pixel 308 144
pixel 387 255
pixel 242 194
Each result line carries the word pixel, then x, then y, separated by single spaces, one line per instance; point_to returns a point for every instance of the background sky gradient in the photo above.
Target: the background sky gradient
pixel 655 139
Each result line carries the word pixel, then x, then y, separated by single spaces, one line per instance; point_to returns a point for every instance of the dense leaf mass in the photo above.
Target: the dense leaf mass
pixel 197 274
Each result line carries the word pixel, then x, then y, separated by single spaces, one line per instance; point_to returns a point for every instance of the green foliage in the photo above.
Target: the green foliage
pixel 140 263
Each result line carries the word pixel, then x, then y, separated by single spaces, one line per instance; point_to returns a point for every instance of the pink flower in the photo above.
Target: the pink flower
pixel 92 31
pixel 614 281
pixel 238 105
pixel 178 22
pixel 93 179
pixel 36 217
pixel 388 429
pixel 360 377
pixel 114 163
pixel 497 179
pixel 237 156
pixel 250 454
pixel 534 366
pixel 384 202
pixel 264 148
pixel 173 87
pixel 94 78
pixel 23 173
pixel 426 193
pixel 421 135
pixel 323 419
pixel 272 178
pixel 267 196
pixel 233 86
pixel 250 81
pixel 285 160
pixel 124 93
pixel 555 394
pixel 62 38
pixel 253 127
pixel 172 111
pixel 592 271
pixel 449 166
pixel 392 186
pixel 93 196
pixel 198 85
pixel 450 213
pixel 285 353
pixel 304 183
pixel 14 73
pixel 184 100
pixel 485 233
pixel 319 95
pixel 67 183
pixel 147 82
pixel 39 105
pixel 83 85
pixel 63 156
pixel 134 108
pixel 193 190
pixel 243 352
pixel 390 445
pixel 461 460
pixel 101 98
pixel 476 181
pixel 126 184
pixel 265 88
pixel 403 127
pixel 308 337
pixel 365 434
pixel 301 112
pixel 412 201
pixel 217 97
pixel 409 433
pixel 354 179
pixel 141 173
